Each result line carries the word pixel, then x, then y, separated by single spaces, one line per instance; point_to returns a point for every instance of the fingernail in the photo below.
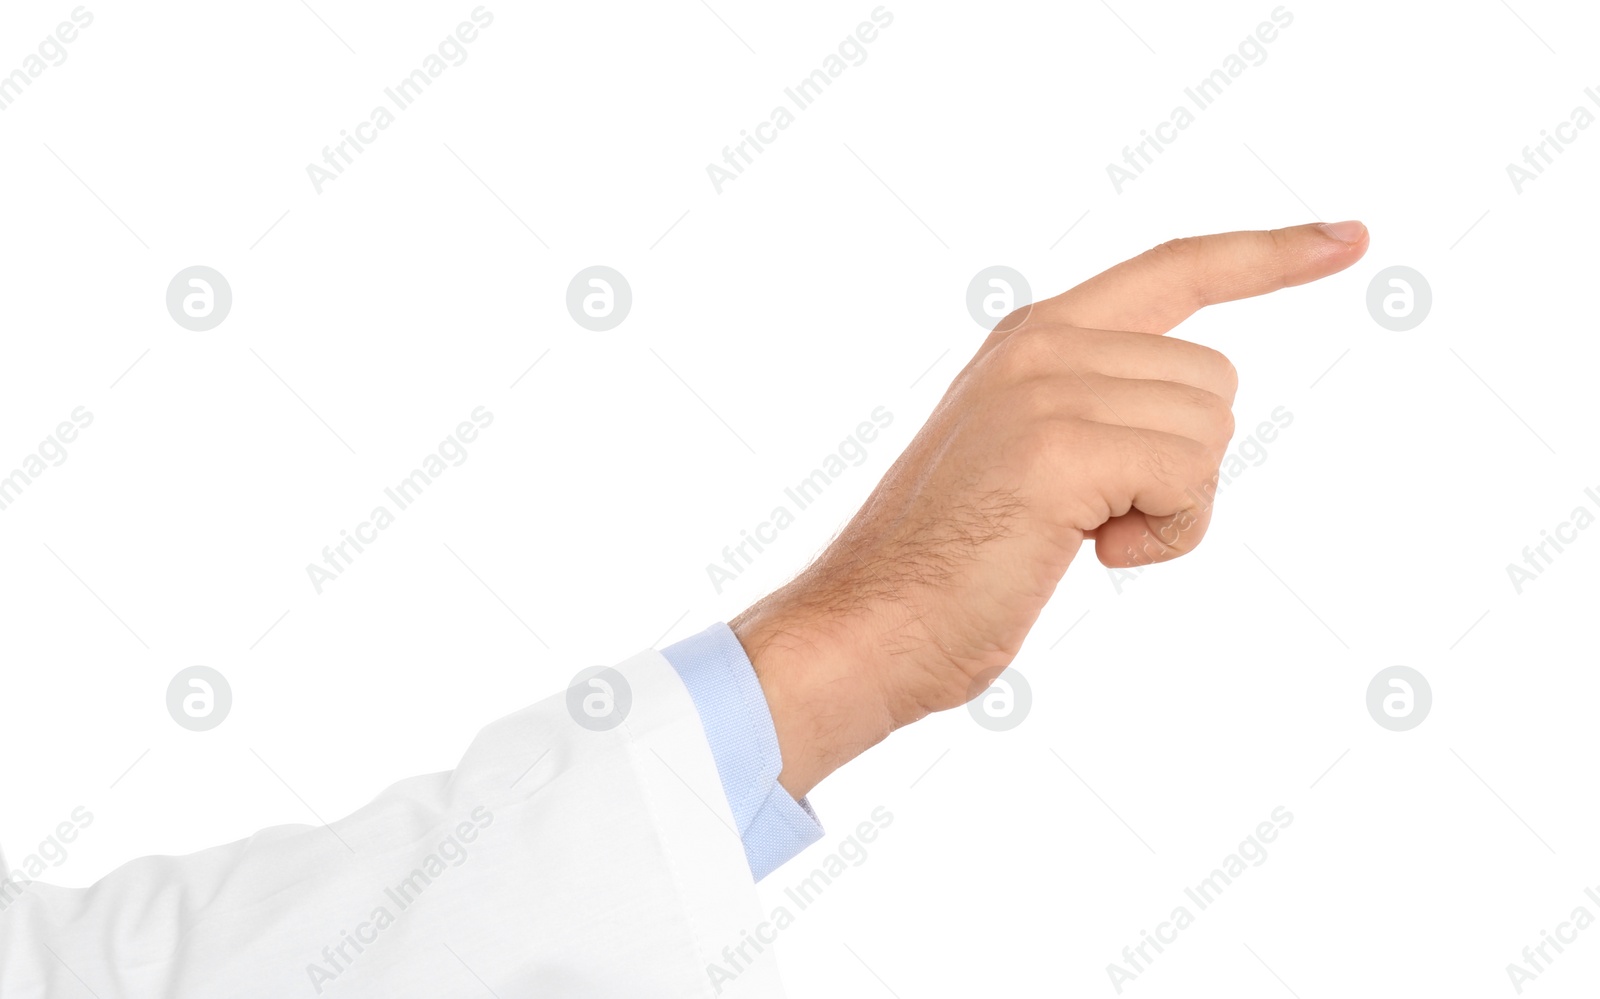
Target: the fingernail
pixel 1344 232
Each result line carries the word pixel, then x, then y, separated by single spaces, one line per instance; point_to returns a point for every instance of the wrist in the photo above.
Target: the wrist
pixel 827 700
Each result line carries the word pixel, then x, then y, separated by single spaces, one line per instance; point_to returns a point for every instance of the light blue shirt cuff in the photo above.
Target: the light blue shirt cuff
pixel 733 710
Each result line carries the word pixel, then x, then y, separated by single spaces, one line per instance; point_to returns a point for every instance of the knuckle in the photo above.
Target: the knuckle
pixel 1163 460
pixel 1223 363
pixel 1280 253
pixel 1039 399
pixel 1213 415
pixel 1054 441
pixel 1203 365
pixel 1227 374
pixel 1193 463
pixel 1015 320
pixel 1226 425
pixel 1027 352
pixel 1180 247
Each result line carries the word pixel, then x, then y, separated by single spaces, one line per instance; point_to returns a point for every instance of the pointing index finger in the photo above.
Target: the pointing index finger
pixel 1162 287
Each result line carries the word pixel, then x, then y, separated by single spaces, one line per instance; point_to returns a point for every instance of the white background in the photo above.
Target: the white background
pixel 768 321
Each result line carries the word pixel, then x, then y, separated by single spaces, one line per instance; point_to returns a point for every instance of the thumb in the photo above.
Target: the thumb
pixel 1162 287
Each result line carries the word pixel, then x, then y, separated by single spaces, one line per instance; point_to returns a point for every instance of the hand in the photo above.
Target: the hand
pixel 1076 419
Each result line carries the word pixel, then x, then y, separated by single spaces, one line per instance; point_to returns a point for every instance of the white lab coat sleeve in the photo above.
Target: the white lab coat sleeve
pixel 554 861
